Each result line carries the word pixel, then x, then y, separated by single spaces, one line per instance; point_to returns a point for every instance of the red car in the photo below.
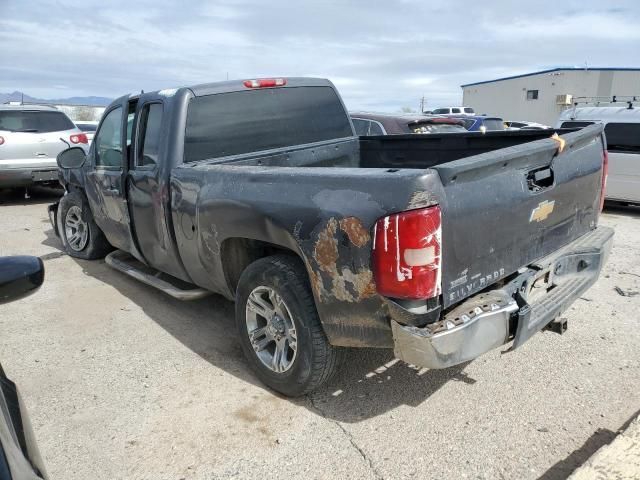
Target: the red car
pixel 367 124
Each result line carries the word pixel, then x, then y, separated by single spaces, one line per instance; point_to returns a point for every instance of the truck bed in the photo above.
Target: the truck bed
pixel 427 151
pixel 496 217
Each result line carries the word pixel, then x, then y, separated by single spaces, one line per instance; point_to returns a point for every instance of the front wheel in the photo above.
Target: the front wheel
pixel 80 235
pixel 279 328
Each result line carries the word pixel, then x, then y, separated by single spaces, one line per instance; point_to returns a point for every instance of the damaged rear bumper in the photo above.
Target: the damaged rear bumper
pixel 525 305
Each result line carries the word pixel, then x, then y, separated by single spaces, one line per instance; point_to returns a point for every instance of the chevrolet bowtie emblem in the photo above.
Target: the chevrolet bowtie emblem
pixel 542 211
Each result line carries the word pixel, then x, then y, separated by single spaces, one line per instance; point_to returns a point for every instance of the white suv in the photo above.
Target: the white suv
pixel 453 111
pixel 31 136
pixel 622 130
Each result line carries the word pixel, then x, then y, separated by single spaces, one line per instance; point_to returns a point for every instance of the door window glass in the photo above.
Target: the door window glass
pixel 149 140
pixel 623 137
pixel 361 126
pixel 108 141
pixel 375 129
pixel 575 124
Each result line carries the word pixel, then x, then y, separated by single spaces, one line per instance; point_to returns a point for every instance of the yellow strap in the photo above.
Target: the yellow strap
pixel 561 142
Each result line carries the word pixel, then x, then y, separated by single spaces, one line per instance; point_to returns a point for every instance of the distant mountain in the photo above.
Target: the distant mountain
pixel 19 96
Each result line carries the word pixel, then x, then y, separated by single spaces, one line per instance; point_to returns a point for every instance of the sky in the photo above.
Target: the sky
pixel 382 55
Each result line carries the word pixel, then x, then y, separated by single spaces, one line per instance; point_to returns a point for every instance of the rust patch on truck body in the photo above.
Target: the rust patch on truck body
pixel 326 249
pixel 342 281
pixel 358 235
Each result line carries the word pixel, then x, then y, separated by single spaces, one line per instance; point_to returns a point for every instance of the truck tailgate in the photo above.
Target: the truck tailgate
pixel 503 210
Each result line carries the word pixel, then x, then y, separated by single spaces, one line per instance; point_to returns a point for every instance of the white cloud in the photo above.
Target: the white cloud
pixel 381 56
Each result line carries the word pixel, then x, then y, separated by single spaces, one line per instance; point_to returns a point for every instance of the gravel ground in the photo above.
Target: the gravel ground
pixel 121 381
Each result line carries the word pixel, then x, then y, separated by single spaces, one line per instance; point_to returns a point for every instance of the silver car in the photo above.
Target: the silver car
pixel 31 136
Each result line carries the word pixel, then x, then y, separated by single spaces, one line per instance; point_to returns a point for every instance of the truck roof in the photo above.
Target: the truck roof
pixel 238 85
pixel 23 107
pixel 602 114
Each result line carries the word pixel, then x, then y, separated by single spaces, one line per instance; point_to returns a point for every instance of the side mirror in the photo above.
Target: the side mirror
pixel 19 277
pixel 73 157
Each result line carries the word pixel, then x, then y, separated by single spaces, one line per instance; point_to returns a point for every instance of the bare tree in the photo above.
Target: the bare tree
pixel 84 113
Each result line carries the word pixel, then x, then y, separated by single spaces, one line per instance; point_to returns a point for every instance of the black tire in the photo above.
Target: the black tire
pixel 315 360
pixel 96 245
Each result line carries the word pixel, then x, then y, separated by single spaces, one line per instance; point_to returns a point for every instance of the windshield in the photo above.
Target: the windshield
pixel 493 124
pixel 34 121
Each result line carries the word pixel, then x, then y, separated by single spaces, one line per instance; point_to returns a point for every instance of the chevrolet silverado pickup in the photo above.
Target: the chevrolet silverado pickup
pixel 440 246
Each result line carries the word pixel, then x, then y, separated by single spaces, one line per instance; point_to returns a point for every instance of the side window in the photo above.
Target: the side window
pixel 130 118
pixel 455 110
pixel 375 129
pixel 573 124
pixel 149 135
pixel 108 140
pixel 468 110
pixel 361 126
pixel 623 137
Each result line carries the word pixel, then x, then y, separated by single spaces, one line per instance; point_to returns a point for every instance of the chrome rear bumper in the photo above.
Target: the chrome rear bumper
pixel 518 310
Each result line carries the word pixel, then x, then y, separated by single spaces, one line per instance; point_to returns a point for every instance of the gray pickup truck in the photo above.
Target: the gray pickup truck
pixel 440 246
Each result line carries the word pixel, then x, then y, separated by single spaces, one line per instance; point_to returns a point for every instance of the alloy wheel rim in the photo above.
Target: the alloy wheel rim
pixel 271 330
pixel 76 229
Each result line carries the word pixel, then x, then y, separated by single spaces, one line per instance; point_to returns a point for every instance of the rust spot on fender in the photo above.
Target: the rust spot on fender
pixel 358 235
pixel 326 250
pixel 347 285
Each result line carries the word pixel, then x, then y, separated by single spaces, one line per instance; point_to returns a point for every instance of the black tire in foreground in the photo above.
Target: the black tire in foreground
pixel 80 235
pixel 279 328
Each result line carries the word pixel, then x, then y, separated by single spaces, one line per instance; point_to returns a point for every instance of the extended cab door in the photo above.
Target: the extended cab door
pixel 105 179
pixel 148 185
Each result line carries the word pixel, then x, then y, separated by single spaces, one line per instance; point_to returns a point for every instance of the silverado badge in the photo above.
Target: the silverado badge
pixel 542 211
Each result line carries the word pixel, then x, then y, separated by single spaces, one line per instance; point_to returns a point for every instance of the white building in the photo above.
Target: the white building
pixel 541 96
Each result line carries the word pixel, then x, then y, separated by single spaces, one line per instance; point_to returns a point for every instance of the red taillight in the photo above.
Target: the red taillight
pixel 605 172
pixel 1 140
pixel 265 82
pixel 79 138
pixel 407 254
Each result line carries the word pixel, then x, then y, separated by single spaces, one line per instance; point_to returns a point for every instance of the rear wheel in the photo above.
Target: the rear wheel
pixel 81 237
pixel 280 332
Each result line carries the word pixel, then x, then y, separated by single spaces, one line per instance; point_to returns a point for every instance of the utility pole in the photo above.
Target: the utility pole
pixel 422 104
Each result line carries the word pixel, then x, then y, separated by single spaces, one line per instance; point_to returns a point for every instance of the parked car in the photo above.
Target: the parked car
pixel 88 127
pixel 19 455
pixel 622 130
pixel 453 111
pixel 525 125
pixel 31 136
pixel 325 239
pixel 389 124
pixel 480 123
